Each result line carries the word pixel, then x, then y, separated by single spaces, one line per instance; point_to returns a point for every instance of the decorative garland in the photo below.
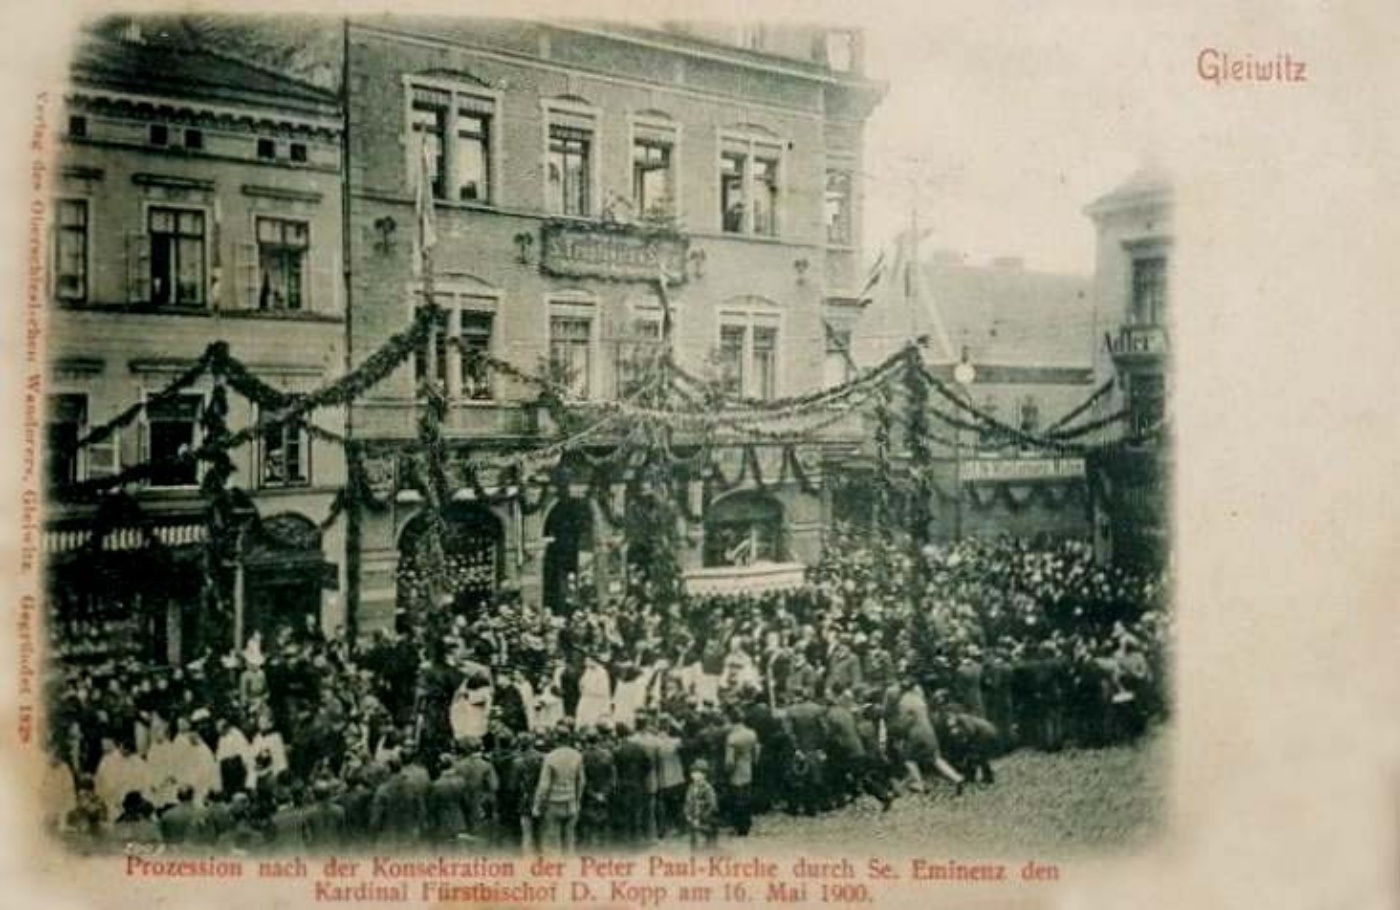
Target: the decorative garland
pixel 1091 426
pixel 1083 406
pixel 186 379
pixel 920 458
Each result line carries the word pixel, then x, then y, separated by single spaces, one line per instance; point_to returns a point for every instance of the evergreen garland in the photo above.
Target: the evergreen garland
pixel 221 521
pixel 920 463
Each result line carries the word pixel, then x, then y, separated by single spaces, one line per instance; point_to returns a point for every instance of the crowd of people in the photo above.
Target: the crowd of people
pixel 622 723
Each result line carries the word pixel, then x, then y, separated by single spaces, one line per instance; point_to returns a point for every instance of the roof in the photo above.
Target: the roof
pixel 1008 315
pixel 1148 183
pixel 168 68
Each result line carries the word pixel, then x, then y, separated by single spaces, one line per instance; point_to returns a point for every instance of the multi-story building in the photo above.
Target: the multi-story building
pixel 568 164
pixel 1134 223
pixel 195 198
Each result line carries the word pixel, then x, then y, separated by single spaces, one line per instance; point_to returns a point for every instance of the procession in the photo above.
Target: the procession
pixel 623 724
pixel 574 506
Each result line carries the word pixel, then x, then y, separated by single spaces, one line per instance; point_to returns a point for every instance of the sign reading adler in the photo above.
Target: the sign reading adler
pixel 617 252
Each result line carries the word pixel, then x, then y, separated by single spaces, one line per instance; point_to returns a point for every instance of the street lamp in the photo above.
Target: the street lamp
pixel 964 374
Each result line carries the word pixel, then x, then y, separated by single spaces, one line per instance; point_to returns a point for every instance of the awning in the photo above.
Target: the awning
pixel 754 579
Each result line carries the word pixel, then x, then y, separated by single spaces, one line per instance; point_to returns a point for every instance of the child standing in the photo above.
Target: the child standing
pixel 701 808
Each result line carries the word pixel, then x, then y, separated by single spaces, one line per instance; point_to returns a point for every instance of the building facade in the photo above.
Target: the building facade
pixel 568 167
pixel 1131 283
pixel 195 198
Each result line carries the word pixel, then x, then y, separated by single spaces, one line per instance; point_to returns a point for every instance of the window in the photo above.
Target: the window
pixel 465 325
pixel 744 529
pixel 732 180
pixel 475 339
pixel 569 163
pixel 637 350
pixel 159 134
pixel 297 152
pixel 1146 401
pixel 172 430
pixel 1149 291
pixel 194 139
pixel 748 355
pixel 429 113
pixel 67 422
pixel 838 366
pixel 71 250
pixel 839 223
pixel 765 197
pixel 282 247
pixel 267 149
pixel 731 358
pixel 472 156
pixel 457 127
pixel 286 456
pixel 77 126
pixel 749 186
pixel 571 352
pixel 652 178
pixel 765 362
pixel 177 256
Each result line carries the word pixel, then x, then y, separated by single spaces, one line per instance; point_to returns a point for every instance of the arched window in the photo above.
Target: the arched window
pixel 744 529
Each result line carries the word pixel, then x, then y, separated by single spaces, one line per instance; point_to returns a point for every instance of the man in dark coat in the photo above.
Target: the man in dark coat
pixel 398 812
pixel 806 721
pixel 525 776
pixel 480 786
pixel 968 742
pixel 845 751
pixel 633 763
pixel 325 818
pixel 600 784
pixel 182 822
pixel 447 819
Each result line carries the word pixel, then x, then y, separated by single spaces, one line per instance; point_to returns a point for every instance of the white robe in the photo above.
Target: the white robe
pixel 117 775
pixel 631 697
pixel 595 696
pixel 195 766
pixel 162 764
pixel 234 745
pixel 471 711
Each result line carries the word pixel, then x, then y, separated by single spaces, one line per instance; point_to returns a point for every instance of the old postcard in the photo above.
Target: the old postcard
pixel 700 455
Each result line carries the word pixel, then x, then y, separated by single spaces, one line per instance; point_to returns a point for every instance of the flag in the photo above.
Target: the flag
pixel 427 231
pixel 877 272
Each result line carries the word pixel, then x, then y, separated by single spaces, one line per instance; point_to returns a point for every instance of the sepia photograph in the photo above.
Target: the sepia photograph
pixel 488 438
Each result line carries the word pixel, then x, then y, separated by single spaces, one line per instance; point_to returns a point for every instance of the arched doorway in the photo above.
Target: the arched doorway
pixel 568 558
pixel 284 574
pixel 743 529
pixel 473 550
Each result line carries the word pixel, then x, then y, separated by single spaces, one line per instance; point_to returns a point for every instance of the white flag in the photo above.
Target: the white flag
pixel 427 231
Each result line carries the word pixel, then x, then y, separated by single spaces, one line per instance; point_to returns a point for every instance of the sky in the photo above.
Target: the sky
pixel 1003 135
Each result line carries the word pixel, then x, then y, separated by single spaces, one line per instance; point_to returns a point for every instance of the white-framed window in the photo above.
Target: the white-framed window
pixel 66 423
pixel 283 248
pixel 750 184
pixel 839 204
pixel 71 250
pixel 1149 290
pixel 171 429
pixel 570 158
pixel 284 456
pixel 573 342
pixel 655 174
pixel 459 124
pixel 178 271
pixel 747 353
pixel 638 344
pixel 466 324
pixel 837 365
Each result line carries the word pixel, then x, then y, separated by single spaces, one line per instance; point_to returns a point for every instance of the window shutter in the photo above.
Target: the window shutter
pixel 102 459
pixel 138 266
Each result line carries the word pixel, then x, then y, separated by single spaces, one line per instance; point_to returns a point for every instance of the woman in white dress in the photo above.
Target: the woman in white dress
pixel 595 694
